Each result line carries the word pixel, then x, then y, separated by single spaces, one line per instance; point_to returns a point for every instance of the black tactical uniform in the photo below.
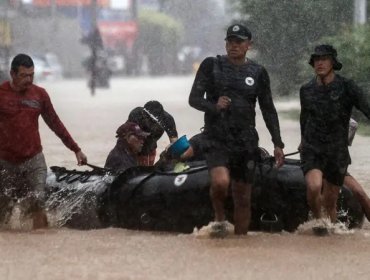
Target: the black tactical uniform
pixel 325 116
pixel 231 133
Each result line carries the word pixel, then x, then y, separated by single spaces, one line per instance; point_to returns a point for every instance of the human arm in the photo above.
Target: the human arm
pixel 352 130
pixel 169 126
pixel 359 98
pixel 223 103
pixel 279 157
pixel 81 158
pixel 203 83
pixel 55 124
pixel 303 117
pixel 268 109
pixel 188 154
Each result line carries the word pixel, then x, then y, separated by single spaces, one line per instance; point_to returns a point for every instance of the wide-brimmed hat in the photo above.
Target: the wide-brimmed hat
pixel 323 50
pixel 129 128
pixel 238 31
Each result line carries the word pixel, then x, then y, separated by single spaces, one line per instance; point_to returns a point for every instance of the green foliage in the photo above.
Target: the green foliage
pixel 284 30
pixel 159 38
pixel 204 22
pixel 353 46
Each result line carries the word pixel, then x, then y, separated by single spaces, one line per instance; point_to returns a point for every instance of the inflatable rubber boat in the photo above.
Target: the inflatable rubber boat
pixel 148 198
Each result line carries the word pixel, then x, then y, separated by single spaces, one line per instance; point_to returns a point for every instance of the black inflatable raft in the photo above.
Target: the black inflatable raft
pixel 146 198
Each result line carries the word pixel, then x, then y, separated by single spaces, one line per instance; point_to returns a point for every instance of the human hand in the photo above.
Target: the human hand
pixel 81 158
pixel 300 147
pixel 223 103
pixel 173 139
pixel 279 157
pixel 165 156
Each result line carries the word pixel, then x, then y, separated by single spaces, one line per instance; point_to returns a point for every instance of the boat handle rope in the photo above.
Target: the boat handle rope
pixel 286 155
pixel 70 176
pixel 61 177
pixel 263 218
pixel 291 154
pixel 97 168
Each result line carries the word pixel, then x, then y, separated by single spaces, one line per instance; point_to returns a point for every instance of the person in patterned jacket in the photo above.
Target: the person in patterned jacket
pixel 327 101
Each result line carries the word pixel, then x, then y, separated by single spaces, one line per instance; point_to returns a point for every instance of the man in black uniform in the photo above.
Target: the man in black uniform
pixel 129 143
pixel 326 107
pixel 153 119
pixel 232 85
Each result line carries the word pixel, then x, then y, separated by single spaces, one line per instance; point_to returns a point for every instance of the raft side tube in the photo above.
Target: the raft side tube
pixel 149 199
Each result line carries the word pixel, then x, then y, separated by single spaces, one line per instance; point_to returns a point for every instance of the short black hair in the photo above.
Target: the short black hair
pixel 21 60
pixel 154 107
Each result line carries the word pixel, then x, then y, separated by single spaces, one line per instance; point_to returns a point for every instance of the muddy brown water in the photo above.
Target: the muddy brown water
pixel 60 253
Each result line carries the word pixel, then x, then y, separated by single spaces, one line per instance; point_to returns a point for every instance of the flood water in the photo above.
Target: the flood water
pixel 60 253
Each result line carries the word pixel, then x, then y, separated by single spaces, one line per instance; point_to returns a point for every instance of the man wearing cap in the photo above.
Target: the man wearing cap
pixel 154 119
pixel 326 106
pixel 227 88
pixel 129 143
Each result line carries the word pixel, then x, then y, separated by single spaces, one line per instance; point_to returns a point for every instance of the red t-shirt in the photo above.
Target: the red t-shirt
pixel 19 127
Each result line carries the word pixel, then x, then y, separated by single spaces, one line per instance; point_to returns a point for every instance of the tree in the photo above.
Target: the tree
pixel 353 45
pixel 159 39
pixel 204 22
pixel 283 30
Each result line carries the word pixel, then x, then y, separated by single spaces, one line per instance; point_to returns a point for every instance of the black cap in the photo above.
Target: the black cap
pixel 323 50
pixel 239 31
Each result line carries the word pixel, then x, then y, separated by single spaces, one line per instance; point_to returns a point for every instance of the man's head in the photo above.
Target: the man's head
pixel 324 60
pixel 22 71
pixel 238 40
pixel 154 110
pixel 133 135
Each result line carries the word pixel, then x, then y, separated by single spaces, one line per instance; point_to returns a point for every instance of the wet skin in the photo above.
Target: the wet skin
pixel 323 66
pixel 135 143
pixel 236 49
pixel 22 79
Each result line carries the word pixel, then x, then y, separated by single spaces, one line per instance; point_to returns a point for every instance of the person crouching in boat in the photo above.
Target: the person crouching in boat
pixel 130 141
pixel 153 119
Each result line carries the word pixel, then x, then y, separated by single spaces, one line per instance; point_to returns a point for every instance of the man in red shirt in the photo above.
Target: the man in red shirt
pixel 21 104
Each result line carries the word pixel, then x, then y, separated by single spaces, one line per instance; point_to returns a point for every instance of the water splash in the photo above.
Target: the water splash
pixel 17 220
pixel 332 228
pixel 62 207
pixel 75 204
pixel 155 119
pixel 204 232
